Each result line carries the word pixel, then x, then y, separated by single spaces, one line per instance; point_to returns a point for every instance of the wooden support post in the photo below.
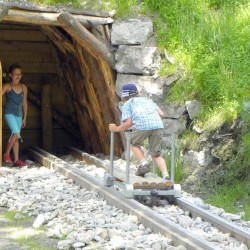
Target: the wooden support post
pixel 60 119
pixel 1 124
pixel 47 138
pixel 45 18
pixel 86 39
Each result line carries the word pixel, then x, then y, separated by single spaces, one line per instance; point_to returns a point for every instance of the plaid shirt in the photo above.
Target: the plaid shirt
pixel 143 112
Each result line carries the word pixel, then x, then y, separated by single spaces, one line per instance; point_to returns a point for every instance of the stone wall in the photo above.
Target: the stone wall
pixel 138 61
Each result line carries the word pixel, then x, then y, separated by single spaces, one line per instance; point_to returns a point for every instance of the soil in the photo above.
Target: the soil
pixel 12 230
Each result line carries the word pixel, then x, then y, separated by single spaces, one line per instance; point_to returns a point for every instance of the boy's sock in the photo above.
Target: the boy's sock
pixel 143 162
pixel 165 176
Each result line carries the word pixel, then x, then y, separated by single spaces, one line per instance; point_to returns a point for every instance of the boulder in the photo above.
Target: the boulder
pixel 193 108
pixel 137 60
pixel 173 111
pixel 174 126
pixel 132 31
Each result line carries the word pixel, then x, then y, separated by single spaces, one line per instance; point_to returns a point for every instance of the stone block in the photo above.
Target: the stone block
pixel 131 32
pixel 173 111
pixel 193 108
pixel 137 60
pixel 174 125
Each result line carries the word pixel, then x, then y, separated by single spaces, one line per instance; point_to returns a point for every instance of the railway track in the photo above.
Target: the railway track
pixel 150 218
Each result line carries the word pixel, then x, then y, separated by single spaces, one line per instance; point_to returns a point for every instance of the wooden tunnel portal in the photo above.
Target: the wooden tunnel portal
pixel 69 71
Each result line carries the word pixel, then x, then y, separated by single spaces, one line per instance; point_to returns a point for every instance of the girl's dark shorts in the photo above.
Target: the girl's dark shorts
pixel 154 138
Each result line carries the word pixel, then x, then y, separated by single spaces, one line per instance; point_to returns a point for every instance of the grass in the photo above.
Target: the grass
pixel 22 233
pixel 32 243
pixel 9 215
pixel 233 197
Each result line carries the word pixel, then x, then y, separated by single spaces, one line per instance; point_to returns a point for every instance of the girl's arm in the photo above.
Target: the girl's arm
pixel 25 105
pixel 6 88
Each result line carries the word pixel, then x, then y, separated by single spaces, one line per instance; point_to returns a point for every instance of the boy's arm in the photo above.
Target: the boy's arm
pixel 124 126
pixel 160 112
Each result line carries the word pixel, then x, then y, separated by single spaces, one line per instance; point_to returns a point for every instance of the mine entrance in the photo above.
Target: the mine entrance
pixel 71 98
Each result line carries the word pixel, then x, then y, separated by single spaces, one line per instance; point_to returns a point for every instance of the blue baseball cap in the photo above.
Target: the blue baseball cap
pixel 129 90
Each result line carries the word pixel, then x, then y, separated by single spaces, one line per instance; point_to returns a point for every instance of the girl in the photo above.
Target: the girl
pixel 15 113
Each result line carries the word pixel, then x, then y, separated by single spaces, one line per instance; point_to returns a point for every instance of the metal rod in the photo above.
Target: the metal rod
pixel 172 156
pixel 128 139
pixel 154 167
pixel 112 155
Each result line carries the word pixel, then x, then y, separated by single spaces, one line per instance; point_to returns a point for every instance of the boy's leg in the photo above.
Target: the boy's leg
pixel 155 148
pixel 137 139
pixel 138 152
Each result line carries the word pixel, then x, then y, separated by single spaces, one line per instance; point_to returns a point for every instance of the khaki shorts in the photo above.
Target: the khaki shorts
pixel 154 138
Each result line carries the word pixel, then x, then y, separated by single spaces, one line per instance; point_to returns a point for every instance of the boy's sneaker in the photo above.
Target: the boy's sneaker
pixel 19 164
pixel 7 160
pixel 142 170
pixel 166 178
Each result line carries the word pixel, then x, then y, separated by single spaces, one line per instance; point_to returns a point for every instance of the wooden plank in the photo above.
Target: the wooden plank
pixel 3 12
pixel 64 84
pixel 1 111
pixel 86 39
pixel 26 56
pixel 45 18
pixel 24 46
pixel 61 41
pixel 23 35
pixel 105 99
pixel 61 120
pixel 6 26
pixel 33 67
pixel 46 108
pixel 95 107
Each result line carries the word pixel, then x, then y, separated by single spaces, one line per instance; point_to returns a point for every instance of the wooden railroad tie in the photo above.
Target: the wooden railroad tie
pixel 153 185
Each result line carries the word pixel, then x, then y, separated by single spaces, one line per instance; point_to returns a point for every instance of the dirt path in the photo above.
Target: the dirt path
pixel 18 234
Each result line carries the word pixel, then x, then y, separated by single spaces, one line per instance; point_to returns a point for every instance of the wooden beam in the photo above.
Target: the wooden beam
pixel 47 128
pixel 1 107
pixel 3 12
pixel 86 39
pixel 59 39
pixel 45 18
pixel 23 35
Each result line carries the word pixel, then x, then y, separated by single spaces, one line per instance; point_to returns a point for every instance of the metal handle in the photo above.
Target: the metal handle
pixel 128 139
pixel 112 154
pixel 172 156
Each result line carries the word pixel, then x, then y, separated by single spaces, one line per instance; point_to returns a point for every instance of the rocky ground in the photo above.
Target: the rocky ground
pixel 61 215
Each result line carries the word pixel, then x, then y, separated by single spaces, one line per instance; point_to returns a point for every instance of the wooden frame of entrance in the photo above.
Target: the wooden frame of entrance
pixel 88 69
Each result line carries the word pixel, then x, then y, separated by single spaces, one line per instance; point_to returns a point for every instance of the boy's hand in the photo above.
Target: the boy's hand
pixel 112 127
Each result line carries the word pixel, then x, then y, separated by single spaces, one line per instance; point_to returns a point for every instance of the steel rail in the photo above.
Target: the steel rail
pixel 218 222
pixel 148 217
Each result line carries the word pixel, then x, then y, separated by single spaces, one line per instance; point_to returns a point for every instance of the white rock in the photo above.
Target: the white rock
pixel 40 220
pixel 64 244
pixel 117 242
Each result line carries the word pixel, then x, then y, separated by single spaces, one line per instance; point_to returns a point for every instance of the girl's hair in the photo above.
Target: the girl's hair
pixel 13 67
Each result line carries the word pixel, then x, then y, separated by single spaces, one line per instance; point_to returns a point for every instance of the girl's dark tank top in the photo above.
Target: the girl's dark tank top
pixel 14 102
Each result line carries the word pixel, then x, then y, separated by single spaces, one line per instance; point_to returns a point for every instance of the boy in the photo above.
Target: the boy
pixel 145 117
